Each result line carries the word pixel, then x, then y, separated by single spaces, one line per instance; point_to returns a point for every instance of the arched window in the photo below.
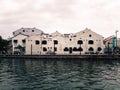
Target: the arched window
pixel 55 42
pixel 80 49
pixel 66 49
pixel 90 49
pixel 44 49
pixel 99 49
pixel 79 42
pixel 75 49
pixel 44 42
pixel 90 42
pixel 15 41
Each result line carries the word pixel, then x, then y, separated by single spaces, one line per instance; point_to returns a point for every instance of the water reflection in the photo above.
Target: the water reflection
pixel 59 74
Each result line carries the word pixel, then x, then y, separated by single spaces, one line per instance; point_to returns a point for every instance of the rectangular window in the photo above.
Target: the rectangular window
pixel 90 42
pixel 44 42
pixel 55 49
pixel 55 42
pixel 15 41
pixel 37 42
pixel 23 41
pixel 44 49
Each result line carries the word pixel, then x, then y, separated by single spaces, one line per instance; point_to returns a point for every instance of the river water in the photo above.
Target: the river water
pixel 16 74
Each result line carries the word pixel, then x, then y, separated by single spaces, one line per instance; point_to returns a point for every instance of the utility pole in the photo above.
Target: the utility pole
pixel 31 49
pixel 108 48
pixel 116 37
pixel 116 40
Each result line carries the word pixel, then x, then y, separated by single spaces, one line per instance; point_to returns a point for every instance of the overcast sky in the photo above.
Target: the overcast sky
pixel 65 16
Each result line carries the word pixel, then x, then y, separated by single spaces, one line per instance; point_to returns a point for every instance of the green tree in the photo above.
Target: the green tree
pixel 3 45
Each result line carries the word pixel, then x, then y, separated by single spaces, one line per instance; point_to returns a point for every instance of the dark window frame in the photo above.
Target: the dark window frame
pixel 91 49
pixel 23 41
pixel 55 48
pixel 99 49
pixel 44 49
pixel 66 49
pixel 15 41
pixel 90 42
pixel 79 42
pixel 80 49
pixel 33 30
pixel 37 42
pixel 75 49
pixel 23 30
pixel 90 35
pixel 44 42
pixel 55 41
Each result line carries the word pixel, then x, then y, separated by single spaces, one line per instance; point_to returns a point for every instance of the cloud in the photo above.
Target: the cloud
pixel 62 15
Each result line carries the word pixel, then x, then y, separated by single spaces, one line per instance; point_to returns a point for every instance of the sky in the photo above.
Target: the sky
pixel 64 16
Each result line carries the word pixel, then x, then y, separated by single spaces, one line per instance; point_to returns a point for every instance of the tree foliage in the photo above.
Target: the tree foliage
pixel 3 45
pixel 22 49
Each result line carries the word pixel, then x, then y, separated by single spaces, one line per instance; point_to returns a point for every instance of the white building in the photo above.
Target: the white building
pixel 19 38
pixel 81 42
pixel 91 40
pixel 28 31
pixel 111 41
pixel 33 45
pixel 18 41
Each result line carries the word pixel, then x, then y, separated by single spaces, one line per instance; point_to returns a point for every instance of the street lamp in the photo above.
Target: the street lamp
pixel 116 37
pixel 108 48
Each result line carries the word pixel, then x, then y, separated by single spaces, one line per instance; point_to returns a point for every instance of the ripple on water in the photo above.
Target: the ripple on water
pixel 59 75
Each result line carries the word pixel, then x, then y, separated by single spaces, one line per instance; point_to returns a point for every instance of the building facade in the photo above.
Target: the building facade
pixel 28 31
pixel 85 41
pixel 18 42
pixel 112 43
pixel 37 42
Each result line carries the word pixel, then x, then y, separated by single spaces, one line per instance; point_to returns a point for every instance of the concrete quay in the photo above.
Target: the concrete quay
pixel 106 57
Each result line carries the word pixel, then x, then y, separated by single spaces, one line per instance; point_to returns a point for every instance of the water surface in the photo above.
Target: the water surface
pixel 16 74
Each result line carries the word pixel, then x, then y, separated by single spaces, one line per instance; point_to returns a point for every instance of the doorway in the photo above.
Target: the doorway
pixel 70 50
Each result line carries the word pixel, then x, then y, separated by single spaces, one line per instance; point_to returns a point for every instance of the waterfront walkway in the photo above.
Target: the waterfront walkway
pixel 94 56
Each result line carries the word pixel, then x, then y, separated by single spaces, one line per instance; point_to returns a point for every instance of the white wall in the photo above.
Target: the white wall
pixel 63 42
pixel 28 31
pixel 19 39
